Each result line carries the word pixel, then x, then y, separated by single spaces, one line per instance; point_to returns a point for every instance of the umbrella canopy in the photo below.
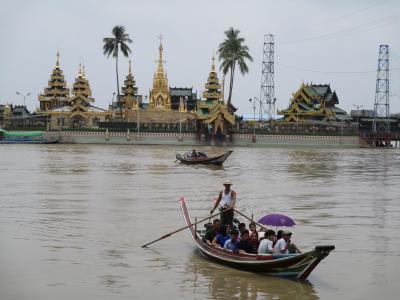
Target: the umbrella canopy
pixel 277 220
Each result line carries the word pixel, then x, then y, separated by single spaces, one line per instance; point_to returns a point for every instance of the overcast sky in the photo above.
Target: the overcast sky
pixel 314 42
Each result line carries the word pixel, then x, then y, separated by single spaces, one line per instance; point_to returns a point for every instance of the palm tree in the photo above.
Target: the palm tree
pixel 233 52
pixel 112 45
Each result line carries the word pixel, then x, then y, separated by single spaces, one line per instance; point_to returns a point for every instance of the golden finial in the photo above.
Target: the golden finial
pixel 160 37
pixel 213 64
pixel 130 68
pixel 58 59
pixel 80 70
pixel 83 71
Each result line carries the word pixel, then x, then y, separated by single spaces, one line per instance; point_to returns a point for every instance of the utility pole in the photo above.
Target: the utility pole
pixel 253 103
pixel 24 96
pixel 358 108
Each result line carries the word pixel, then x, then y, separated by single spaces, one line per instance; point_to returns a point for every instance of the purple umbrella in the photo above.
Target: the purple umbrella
pixel 277 220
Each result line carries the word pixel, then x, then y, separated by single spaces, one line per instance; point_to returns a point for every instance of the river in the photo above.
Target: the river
pixel 73 217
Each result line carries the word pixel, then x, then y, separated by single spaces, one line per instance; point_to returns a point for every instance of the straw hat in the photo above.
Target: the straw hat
pixel 227 182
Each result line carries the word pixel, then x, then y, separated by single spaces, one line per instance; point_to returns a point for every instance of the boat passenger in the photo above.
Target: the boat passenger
pixel 222 236
pixel 281 246
pixel 244 243
pixel 292 248
pixel 278 236
pixel 233 243
pixel 253 228
pixel 241 227
pixel 226 202
pixel 194 153
pixel 254 242
pixel 266 245
pixel 212 231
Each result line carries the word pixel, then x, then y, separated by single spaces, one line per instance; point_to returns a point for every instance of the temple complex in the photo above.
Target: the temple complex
pixel 312 103
pixel 56 94
pixel 212 113
pixel 160 98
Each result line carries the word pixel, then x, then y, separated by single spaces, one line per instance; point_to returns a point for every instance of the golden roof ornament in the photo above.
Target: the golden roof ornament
pixel 80 70
pixel 58 59
pixel 213 64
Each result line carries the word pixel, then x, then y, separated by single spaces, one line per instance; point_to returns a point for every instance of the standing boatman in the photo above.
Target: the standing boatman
pixel 226 202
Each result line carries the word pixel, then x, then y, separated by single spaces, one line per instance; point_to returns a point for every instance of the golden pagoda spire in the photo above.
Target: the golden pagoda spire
pixel 56 89
pixel 160 98
pixel 129 90
pixel 160 68
pixel 213 89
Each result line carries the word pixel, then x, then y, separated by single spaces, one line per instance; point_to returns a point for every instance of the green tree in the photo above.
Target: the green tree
pixel 112 45
pixel 233 52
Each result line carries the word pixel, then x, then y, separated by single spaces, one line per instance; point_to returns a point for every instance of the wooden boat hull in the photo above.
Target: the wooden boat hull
pixel 29 141
pixel 217 160
pixel 288 265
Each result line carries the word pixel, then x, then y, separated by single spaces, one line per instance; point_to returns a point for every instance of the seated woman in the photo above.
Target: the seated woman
pixel 252 228
pixel 254 242
pixel 222 236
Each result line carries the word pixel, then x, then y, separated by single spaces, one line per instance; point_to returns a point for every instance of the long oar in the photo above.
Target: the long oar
pixel 248 218
pixel 180 229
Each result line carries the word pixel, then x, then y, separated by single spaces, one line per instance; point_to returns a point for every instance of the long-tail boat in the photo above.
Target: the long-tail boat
pixel 25 137
pixel 202 158
pixel 298 265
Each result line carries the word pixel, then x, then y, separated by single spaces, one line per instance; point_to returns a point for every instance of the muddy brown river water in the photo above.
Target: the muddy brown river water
pixel 73 217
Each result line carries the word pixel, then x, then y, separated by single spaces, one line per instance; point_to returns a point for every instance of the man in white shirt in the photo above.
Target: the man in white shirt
pixel 226 202
pixel 266 245
pixel 281 246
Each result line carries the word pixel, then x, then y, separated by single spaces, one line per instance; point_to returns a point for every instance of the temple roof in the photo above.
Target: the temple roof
pixel 321 90
pixel 129 89
pixel 213 89
pixel 174 91
pixel 81 85
pixel 57 86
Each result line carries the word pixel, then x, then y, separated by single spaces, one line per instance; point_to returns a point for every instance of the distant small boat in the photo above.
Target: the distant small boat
pixel 287 265
pixel 25 137
pixel 202 158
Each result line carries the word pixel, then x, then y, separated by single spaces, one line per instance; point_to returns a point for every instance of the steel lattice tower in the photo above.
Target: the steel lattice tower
pixel 267 78
pixel 381 123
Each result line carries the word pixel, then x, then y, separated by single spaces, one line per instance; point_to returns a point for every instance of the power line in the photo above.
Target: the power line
pixel 395 17
pixel 350 14
pixel 330 72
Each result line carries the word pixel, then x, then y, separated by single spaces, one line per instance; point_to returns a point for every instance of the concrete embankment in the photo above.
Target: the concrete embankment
pixel 191 139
